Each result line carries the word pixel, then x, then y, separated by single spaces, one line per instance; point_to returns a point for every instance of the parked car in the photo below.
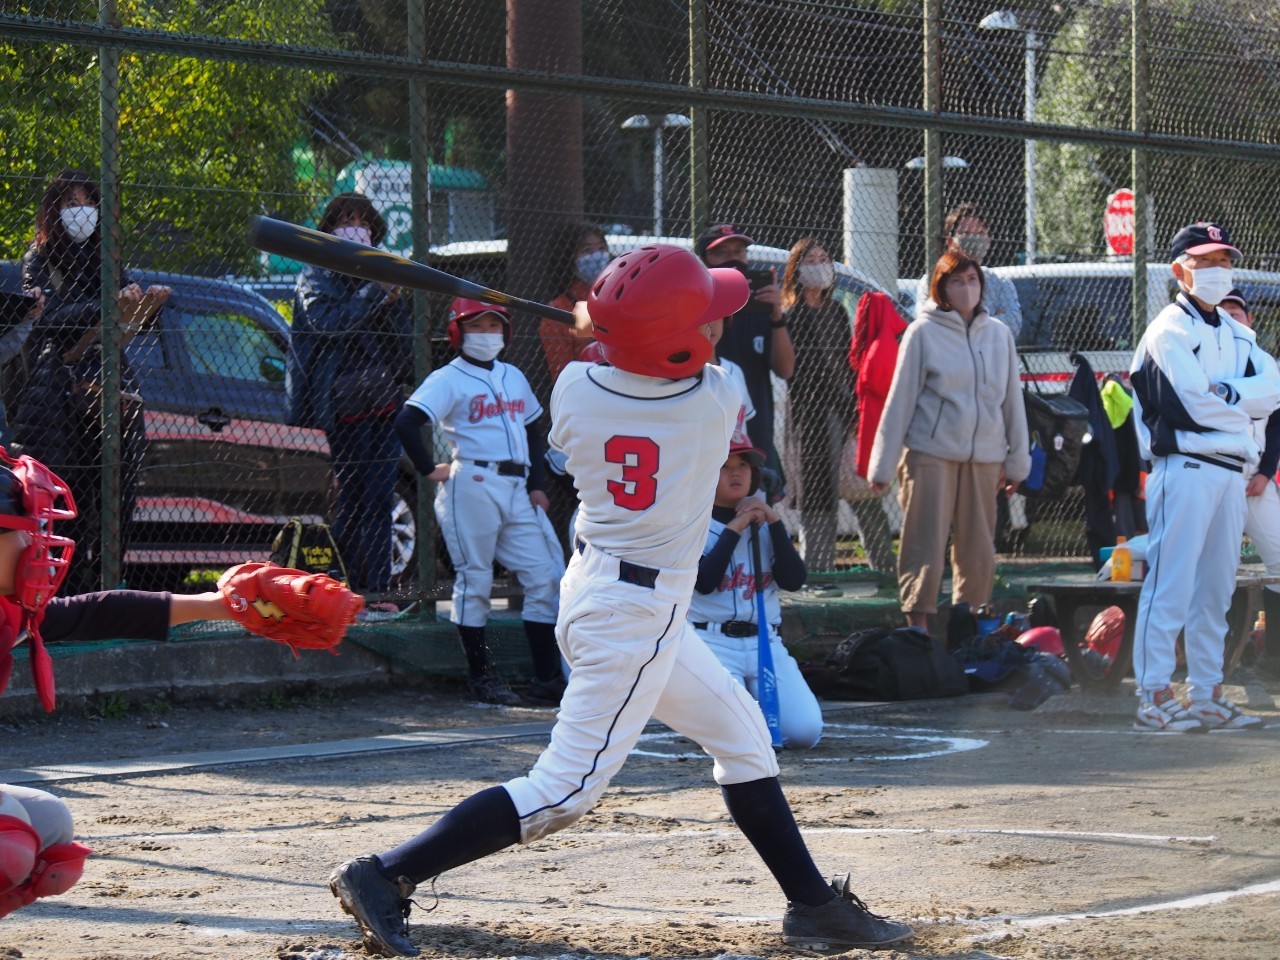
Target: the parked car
pixel 222 471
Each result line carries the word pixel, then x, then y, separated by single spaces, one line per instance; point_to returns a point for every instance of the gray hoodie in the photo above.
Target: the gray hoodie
pixel 956 395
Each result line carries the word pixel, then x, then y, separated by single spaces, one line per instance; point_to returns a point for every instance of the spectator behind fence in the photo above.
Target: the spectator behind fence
pixel 819 397
pixel 59 415
pixel 17 317
pixel 954 430
pixel 756 339
pixel 582 254
pixel 873 356
pixel 351 350
pixel 966 230
pixel 724 605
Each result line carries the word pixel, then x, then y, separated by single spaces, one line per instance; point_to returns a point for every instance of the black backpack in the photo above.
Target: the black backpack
pixel 892 664
pixel 1058 425
pixel 309 547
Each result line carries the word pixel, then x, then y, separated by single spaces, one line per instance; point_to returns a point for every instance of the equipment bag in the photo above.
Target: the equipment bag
pixel 309 547
pixel 1059 426
pixel 893 664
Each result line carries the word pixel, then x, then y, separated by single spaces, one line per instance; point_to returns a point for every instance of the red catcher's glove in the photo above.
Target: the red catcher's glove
pixel 289 606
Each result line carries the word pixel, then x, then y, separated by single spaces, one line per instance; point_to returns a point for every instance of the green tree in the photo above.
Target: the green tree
pixel 204 143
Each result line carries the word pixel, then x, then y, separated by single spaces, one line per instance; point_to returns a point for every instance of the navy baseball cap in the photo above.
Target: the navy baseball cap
pixel 1237 296
pixel 714 236
pixel 1200 238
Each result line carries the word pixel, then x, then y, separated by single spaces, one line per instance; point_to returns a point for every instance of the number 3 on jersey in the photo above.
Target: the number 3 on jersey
pixel 638 487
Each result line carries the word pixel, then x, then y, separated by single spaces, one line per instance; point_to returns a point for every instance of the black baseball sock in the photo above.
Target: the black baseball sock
pixel 543 649
pixel 475 649
pixel 762 813
pixel 484 823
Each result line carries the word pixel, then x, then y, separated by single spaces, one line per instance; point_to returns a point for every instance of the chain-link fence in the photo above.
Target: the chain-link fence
pixel 500 142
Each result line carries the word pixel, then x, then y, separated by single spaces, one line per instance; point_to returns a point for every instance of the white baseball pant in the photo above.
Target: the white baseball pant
pixel 633 656
pixel 1195 512
pixel 1262 524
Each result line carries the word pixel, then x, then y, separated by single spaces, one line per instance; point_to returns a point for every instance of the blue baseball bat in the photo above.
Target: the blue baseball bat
pixel 767 683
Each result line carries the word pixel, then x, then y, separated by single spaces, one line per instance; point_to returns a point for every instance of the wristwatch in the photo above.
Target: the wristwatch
pixel 1222 390
pixel 778 324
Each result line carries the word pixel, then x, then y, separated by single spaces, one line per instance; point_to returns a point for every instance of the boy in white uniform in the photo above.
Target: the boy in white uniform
pixel 645 439
pixel 486 497
pixel 724 605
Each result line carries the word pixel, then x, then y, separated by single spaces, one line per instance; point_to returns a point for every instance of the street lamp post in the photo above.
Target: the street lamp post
pixel 1008 20
pixel 656 122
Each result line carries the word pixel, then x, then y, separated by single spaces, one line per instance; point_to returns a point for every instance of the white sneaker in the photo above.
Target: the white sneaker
pixel 1162 711
pixel 1220 713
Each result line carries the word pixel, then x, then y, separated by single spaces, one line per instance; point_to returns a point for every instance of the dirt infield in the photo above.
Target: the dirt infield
pixel 999 834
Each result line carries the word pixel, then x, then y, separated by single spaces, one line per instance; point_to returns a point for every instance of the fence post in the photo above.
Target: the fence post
pixel 420 202
pixel 111 547
pixel 699 168
pixel 932 137
pixel 1141 200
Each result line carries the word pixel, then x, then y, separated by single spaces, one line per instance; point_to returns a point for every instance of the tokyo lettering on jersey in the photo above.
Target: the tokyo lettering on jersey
pixel 735 596
pixel 483 413
pixel 644 455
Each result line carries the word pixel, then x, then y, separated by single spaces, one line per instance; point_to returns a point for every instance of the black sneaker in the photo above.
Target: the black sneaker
pixel 841 924
pixel 546 693
pixel 491 688
pixel 379 906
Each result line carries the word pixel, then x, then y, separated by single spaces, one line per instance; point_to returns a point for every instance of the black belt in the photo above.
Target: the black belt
pixel 628 572
pixel 731 628
pixel 1228 462
pixel 505 468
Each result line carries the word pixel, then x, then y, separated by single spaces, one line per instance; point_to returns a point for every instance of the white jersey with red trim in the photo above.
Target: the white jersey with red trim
pixel 482 412
pixel 734 598
pixel 645 490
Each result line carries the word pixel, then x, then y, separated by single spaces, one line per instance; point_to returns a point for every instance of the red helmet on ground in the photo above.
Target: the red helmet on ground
pixel 463 309
pixel 1044 639
pixel 32 498
pixel 648 305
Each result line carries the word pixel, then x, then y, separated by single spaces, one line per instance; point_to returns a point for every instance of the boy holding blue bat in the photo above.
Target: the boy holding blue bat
pixel 747 558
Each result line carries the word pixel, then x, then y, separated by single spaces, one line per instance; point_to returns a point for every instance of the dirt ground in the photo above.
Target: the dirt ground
pixel 999 834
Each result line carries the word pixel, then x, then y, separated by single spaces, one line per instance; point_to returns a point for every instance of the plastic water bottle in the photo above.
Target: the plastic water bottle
pixel 1121 562
pixel 1258 636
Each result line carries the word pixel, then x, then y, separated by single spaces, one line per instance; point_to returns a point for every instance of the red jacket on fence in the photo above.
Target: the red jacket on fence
pixel 873 354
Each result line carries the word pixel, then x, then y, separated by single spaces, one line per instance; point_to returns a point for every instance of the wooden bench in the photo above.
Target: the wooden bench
pixel 1070 595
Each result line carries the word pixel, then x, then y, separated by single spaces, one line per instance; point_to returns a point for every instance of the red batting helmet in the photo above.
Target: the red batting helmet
pixel 648 305
pixel 740 445
pixel 1044 639
pixel 463 309
pixel 32 497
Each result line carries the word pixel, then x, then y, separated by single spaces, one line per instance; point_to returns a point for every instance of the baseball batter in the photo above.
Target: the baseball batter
pixel 486 498
pixel 645 438
pixel 1200 380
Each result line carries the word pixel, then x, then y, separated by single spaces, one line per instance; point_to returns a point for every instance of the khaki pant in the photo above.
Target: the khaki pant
pixel 941 497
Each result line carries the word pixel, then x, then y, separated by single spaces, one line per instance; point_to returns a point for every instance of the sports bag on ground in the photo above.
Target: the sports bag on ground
pixel 892 664
pixel 1058 425
pixel 309 547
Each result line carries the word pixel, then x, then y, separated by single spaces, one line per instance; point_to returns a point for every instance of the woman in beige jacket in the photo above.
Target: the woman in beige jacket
pixel 954 430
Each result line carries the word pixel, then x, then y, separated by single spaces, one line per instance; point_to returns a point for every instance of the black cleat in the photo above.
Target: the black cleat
pixel 841 924
pixel 491 688
pixel 546 693
pixel 379 906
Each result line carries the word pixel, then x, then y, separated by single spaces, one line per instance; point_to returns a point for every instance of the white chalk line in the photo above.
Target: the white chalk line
pixel 832 731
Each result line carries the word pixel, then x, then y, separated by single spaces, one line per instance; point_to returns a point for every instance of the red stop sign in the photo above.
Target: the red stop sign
pixel 1117 223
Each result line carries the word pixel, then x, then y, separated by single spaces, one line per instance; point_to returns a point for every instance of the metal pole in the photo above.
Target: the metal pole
pixel 657 179
pixel 1139 162
pixel 699 166
pixel 112 449
pixel 420 200
pixel 932 137
pixel 1030 146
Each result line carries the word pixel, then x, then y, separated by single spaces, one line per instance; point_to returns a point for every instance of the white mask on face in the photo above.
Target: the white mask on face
pixel 591 265
pixel 1211 284
pixel 964 299
pixel 482 346
pixel 817 276
pixel 79 222
pixel 355 234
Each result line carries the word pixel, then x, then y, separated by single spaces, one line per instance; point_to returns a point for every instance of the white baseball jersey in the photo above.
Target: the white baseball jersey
pixel 483 413
pixel 645 491
pixel 748 408
pixel 735 597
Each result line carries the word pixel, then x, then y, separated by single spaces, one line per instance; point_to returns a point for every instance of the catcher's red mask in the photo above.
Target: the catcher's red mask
pixel 32 497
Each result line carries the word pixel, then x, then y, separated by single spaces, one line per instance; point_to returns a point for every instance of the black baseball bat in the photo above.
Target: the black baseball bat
pixel 370 263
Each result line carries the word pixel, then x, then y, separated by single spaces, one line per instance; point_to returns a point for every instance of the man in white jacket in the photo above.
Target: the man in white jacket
pixel 1200 380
